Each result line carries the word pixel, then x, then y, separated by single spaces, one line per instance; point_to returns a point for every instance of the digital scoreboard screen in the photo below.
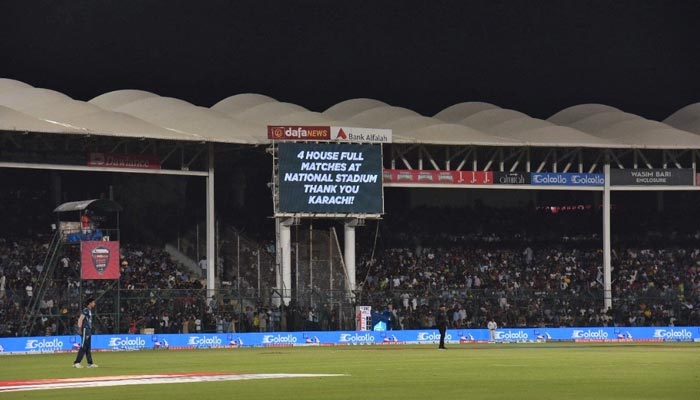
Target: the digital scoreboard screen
pixel 330 178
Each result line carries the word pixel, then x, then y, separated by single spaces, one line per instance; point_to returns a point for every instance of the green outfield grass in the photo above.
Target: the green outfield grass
pixel 496 371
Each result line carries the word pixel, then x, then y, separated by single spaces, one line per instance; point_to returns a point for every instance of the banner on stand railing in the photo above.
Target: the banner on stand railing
pixel 99 260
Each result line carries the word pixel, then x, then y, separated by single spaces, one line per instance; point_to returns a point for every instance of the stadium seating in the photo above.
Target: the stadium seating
pixel 536 268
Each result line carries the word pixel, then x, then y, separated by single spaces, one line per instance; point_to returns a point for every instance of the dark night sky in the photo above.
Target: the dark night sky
pixel 533 56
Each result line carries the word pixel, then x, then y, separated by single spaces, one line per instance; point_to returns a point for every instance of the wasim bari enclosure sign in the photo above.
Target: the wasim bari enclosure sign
pixel 332 178
pixel 99 260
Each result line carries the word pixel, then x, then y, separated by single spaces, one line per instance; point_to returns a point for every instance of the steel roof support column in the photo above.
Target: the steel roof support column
pixel 211 237
pixel 607 286
pixel 277 300
pixel 286 248
pixel 349 236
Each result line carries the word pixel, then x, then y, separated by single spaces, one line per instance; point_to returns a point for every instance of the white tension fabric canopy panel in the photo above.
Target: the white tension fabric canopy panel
pixel 243 119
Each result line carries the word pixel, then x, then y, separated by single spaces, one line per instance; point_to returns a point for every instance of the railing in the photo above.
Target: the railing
pixel 42 282
pixel 122 310
pixel 74 235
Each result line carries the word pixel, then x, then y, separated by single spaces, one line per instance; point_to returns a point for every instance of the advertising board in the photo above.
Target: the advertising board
pixel 652 177
pixel 332 178
pixel 191 341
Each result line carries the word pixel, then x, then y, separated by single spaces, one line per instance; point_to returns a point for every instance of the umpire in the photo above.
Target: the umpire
pixel 85 329
pixel 442 322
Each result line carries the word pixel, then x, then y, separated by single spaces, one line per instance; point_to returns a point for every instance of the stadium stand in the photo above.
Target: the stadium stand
pixel 508 267
pixel 535 265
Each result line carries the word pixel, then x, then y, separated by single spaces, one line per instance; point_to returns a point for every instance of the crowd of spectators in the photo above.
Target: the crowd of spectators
pixel 537 268
pixel 547 286
pixel 146 276
pixel 521 268
pixel 154 294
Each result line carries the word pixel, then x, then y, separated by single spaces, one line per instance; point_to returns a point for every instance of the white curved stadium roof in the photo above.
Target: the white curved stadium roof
pixel 243 119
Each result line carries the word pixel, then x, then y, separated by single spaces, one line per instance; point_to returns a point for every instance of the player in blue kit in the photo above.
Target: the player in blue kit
pixel 85 330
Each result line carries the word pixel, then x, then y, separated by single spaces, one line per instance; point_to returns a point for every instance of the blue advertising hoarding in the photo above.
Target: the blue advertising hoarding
pixel 566 179
pixel 117 342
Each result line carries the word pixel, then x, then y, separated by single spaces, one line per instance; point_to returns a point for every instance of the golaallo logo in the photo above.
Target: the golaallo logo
pixel 44 345
pixel 204 341
pixel 673 334
pixel 279 339
pixel 422 336
pixel 356 338
pixel 126 342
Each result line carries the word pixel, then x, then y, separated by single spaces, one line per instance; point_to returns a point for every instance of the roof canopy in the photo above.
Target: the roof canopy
pixel 99 205
pixel 243 119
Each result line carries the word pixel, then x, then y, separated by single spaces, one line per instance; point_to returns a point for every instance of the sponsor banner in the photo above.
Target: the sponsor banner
pixel 329 133
pixel 38 345
pixel 171 341
pixel 297 132
pixel 511 178
pixel 360 135
pixel 431 336
pixel 99 260
pixel 115 160
pixel 652 177
pixel 124 342
pixel 364 318
pixel 332 178
pixel 438 177
pixel 567 179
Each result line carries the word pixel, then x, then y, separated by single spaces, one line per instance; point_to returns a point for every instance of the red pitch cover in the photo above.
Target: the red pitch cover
pixel 99 260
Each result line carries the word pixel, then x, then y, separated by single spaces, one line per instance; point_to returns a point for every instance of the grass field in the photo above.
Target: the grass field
pixel 500 371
